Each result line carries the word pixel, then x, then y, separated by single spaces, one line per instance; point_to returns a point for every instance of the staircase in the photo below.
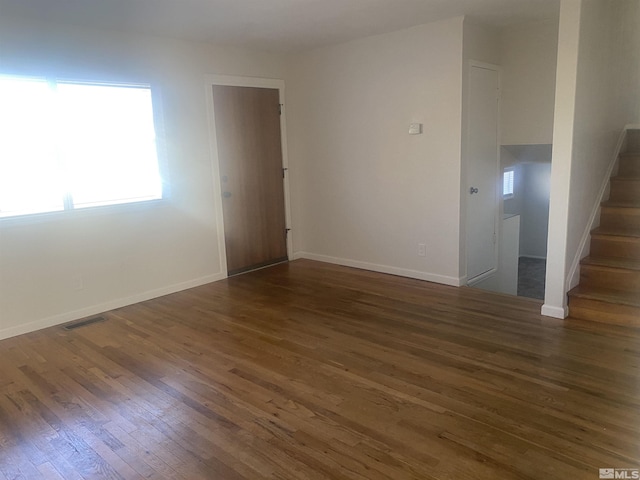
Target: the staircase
pixel 609 289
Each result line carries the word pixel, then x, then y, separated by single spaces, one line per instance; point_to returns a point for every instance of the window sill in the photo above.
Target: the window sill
pixel 78 213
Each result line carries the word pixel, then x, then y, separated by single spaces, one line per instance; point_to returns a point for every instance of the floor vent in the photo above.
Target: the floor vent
pixel 84 323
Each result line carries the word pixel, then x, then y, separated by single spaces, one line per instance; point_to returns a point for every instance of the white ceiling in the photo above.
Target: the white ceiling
pixel 274 25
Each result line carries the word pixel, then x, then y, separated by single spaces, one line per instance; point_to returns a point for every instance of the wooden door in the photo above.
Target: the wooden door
pixel 482 172
pixel 247 123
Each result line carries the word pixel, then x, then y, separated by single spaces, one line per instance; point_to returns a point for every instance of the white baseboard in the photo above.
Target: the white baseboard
pixel 555 312
pixel 104 307
pixel 472 282
pixel 403 272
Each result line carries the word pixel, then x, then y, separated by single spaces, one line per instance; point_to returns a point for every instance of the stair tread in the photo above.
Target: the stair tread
pixel 617 231
pixel 619 204
pixel 625 178
pixel 612 262
pixel 631 299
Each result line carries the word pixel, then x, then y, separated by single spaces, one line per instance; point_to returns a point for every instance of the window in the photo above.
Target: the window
pixel 507 183
pixel 66 145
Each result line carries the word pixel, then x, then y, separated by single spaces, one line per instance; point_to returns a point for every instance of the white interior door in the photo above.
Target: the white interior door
pixel 482 171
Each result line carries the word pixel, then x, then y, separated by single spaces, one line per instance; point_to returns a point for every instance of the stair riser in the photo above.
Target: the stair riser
pixel 616 218
pixel 629 167
pixel 596 311
pixel 619 279
pixel 618 247
pixel 633 141
pixel 625 191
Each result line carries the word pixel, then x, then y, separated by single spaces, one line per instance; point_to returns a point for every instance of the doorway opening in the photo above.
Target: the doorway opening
pixel 531 166
pixel 523 231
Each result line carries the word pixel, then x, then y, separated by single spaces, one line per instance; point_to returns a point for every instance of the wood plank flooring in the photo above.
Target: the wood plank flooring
pixel 313 371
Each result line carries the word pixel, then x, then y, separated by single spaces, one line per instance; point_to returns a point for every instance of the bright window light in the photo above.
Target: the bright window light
pixel 73 145
pixel 30 179
pixel 507 183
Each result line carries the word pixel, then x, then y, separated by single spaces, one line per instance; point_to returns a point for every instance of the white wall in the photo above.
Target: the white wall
pixel 124 254
pixel 528 58
pixel 481 43
pixel 625 58
pixel 533 238
pixel 531 202
pixel 596 95
pixel 532 182
pixel 368 192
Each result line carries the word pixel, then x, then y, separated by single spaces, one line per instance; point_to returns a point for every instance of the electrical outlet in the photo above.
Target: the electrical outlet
pixel 422 250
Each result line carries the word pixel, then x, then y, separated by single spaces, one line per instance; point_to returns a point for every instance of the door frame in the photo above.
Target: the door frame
pixel 239 81
pixel 498 204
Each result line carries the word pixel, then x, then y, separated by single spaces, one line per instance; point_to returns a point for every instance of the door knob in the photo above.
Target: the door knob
pixel 226 194
pixel 473 190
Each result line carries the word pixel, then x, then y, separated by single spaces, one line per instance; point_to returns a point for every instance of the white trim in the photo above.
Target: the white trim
pixel 104 307
pixel 498 172
pixel 564 125
pixel 236 81
pixel 573 276
pixel 215 172
pixel 554 312
pixel 483 276
pixel 485 65
pixel 285 165
pixel 402 272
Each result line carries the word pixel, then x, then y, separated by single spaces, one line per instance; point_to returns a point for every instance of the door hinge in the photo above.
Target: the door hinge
pixel 280 105
pixel 286 231
pixel 284 170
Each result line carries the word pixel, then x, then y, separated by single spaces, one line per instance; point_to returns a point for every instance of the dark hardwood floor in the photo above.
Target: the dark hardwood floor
pixel 312 371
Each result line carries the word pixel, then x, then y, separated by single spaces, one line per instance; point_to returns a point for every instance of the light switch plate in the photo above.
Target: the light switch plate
pixel 415 129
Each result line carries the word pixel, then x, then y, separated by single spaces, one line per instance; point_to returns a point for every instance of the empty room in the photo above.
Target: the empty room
pixel 287 239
